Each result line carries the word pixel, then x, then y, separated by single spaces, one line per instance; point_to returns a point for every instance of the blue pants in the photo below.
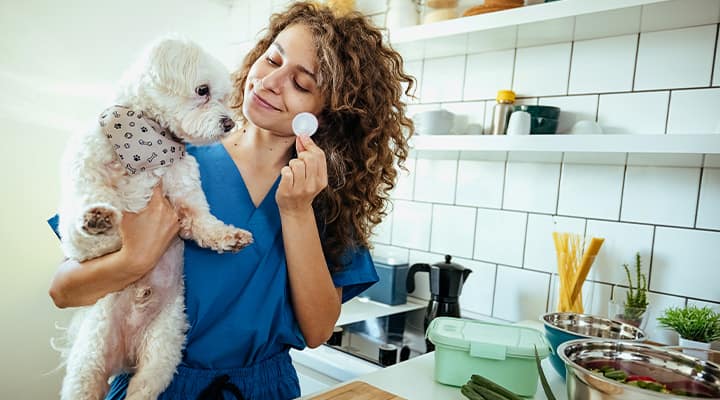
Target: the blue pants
pixel 271 379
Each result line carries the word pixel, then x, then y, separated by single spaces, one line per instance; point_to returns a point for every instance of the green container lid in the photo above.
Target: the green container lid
pixel 487 340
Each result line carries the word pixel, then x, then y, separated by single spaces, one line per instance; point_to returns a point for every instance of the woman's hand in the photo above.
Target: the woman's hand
pixel 147 234
pixel 302 179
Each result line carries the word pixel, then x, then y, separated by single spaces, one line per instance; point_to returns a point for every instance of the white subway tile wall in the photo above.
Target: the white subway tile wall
pixel 665 207
pixel 453 230
pixel 603 65
pixel 622 243
pixel 680 256
pixel 596 198
pixel 694 111
pixel 500 236
pixel 542 70
pixel 660 195
pixel 642 113
pixel 708 216
pixel 663 80
pixel 531 187
pixel 489 72
pixel 520 294
pixel 679 58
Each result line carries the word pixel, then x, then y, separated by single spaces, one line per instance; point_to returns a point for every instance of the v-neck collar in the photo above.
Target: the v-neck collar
pixel 262 221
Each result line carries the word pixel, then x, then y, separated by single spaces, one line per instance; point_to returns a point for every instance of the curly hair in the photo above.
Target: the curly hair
pixel 364 129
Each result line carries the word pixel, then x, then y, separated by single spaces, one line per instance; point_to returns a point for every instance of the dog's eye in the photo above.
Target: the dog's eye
pixel 202 90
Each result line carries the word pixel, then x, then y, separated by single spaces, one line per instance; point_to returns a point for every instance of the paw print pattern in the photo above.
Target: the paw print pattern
pixel 142 143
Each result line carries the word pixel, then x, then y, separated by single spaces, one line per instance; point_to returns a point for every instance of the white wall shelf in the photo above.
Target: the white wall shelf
pixel 649 144
pixel 534 25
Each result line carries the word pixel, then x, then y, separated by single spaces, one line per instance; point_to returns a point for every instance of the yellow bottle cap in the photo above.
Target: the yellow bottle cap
pixel 505 95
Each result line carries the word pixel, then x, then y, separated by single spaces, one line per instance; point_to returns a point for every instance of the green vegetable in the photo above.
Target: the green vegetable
pixel 490 395
pixel 543 380
pixel 486 383
pixel 616 375
pixel 470 394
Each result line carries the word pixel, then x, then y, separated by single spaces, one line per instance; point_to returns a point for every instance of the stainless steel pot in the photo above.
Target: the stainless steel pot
pixel 676 370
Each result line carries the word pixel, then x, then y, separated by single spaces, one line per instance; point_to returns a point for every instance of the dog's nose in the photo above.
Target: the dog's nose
pixel 227 124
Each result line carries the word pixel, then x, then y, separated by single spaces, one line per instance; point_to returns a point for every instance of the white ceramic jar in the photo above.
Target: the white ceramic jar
pixel 401 13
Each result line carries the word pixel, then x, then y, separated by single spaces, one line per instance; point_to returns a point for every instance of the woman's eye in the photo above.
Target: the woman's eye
pixel 270 60
pixel 300 88
pixel 202 90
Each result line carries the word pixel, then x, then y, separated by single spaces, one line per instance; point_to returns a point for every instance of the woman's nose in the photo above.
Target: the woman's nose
pixel 272 81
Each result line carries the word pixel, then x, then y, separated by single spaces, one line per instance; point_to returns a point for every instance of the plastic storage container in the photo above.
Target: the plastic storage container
pixel 390 289
pixel 504 354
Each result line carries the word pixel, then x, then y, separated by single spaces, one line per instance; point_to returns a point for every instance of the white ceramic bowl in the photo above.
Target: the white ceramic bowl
pixel 433 122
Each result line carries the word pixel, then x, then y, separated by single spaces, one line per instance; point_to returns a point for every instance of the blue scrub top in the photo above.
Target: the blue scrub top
pixel 239 305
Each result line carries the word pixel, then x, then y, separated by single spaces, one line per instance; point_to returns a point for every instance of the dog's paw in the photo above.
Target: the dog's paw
pixel 239 240
pixel 232 239
pixel 100 219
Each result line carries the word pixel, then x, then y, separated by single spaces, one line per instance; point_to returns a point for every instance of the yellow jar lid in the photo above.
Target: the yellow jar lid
pixel 505 95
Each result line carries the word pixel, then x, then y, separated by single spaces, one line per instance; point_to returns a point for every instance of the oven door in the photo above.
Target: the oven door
pixel 323 367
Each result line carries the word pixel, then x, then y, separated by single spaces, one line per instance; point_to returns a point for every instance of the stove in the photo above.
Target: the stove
pixel 384 340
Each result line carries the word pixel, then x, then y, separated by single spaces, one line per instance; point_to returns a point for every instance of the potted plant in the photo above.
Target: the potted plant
pixel 634 309
pixel 697 327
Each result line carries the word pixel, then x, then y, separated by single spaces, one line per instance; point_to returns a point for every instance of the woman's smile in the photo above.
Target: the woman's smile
pixel 257 100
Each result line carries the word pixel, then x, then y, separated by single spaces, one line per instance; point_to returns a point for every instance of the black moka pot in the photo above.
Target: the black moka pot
pixel 446 282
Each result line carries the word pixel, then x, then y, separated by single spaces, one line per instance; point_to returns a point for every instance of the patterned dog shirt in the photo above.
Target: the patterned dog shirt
pixel 139 143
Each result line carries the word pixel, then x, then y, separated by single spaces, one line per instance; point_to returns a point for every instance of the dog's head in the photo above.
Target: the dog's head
pixel 184 88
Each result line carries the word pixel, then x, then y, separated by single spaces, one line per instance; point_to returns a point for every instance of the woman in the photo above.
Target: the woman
pixel 310 203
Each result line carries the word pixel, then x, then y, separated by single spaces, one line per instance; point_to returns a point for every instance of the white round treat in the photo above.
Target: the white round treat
pixel 304 124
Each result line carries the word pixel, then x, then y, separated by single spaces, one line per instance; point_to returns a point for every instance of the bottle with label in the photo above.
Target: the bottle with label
pixel 501 112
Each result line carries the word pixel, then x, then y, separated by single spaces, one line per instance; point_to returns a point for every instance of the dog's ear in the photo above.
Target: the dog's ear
pixel 172 64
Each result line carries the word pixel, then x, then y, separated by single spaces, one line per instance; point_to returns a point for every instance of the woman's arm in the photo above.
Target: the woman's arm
pixel 146 235
pixel 316 301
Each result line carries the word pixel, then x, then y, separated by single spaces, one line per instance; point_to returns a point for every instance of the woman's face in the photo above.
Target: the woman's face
pixel 283 82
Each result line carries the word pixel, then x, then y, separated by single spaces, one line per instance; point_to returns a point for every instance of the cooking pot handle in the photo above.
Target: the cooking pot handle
pixel 410 282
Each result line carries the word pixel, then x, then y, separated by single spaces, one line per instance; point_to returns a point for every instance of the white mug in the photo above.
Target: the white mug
pixel 519 123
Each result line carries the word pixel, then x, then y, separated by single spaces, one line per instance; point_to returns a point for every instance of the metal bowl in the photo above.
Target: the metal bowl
pixel 562 327
pixel 679 372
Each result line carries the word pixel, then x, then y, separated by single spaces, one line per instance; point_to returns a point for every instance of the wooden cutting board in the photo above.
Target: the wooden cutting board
pixel 357 391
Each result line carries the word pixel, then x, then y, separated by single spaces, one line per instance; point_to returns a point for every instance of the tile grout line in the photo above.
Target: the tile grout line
pixel 559 183
pixel 699 192
pixel 714 61
pixel 652 257
pixel 667 112
pixel 637 54
pixel 622 187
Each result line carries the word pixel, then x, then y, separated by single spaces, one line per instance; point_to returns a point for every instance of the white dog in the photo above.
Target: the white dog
pixel 175 94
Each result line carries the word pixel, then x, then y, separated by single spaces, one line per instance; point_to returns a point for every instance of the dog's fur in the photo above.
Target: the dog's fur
pixel 141 329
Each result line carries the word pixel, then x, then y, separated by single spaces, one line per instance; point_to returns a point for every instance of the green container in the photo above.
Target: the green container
pixel 505 354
